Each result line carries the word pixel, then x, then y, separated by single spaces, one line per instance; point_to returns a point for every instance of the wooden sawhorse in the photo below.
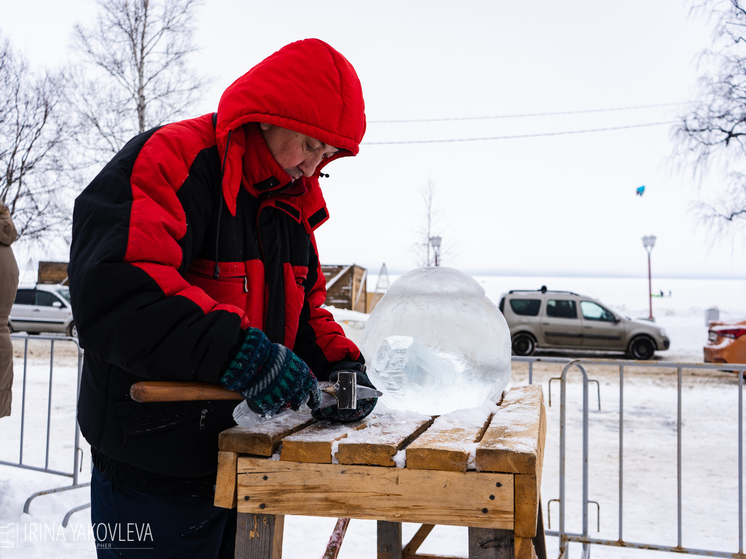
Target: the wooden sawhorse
pixel 480 469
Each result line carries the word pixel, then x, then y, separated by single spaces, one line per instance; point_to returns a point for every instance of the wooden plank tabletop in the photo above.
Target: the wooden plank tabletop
pixel 450 443
pixel 316 442
pixel 514 440
pixel 383 436
pixel 507 438
pixel 264 438
pixel 326 469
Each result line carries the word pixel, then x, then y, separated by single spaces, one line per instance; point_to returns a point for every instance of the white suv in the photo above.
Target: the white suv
pixel 42 308
pixel 564 320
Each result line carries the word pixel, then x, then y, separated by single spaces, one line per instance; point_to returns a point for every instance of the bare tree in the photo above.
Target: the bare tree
pixel 137 76
pixel 712 133
pixel 430 232
pixel 35 172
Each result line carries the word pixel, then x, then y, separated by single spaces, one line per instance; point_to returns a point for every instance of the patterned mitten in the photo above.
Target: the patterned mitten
pixel 270 376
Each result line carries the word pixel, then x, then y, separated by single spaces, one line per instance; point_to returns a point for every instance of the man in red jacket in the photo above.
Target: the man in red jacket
pixel 194 259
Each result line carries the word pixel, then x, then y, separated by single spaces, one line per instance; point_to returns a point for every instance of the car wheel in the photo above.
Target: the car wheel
pixel 72 330
pixel 523 345
pixel 10 327
pixel 642 349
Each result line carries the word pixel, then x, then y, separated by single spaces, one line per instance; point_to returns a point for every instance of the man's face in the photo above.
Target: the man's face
pixel 297 153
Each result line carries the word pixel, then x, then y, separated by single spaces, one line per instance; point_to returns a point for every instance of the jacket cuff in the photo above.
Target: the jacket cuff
pixel 248 361
pixel 357 365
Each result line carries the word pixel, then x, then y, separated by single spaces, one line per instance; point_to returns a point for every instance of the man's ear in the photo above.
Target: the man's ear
pixel 264 126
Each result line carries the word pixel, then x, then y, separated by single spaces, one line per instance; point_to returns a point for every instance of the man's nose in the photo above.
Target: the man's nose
pixel 308 167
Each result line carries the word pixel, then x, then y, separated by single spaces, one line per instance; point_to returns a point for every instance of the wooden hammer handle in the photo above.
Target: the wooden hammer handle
pixel 164 391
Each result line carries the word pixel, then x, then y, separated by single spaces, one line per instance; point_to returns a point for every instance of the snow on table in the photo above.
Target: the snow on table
pixel 264 438
pixel 381 438
pixel 451 442
pixel 316 443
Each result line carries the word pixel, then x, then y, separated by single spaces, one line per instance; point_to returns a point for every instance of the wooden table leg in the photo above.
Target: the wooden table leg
pixel 487 543
pixel 540 544
pixel 389 540
pixel 259 536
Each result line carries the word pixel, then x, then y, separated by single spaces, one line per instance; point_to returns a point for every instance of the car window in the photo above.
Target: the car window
pixel 561 308
pixel 592 311
pixel 24 297
pixel 64 293
pixel 46 299
pixel 525 307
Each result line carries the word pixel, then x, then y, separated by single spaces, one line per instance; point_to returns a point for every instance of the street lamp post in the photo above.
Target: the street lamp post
pixel 435 242
pixel 649 242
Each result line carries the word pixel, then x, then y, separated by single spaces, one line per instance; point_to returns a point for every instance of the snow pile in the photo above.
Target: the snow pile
pixel 352 322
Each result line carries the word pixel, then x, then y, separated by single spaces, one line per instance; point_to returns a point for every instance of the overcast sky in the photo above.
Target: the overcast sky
pixel 546 204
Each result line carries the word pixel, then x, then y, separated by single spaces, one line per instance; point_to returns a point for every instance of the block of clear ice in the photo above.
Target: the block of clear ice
pixel 435 343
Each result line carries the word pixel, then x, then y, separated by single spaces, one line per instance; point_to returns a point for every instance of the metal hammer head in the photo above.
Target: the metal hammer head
pixel 345 392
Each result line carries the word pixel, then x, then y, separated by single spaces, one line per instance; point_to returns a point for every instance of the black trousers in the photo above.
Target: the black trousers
pixel 130 523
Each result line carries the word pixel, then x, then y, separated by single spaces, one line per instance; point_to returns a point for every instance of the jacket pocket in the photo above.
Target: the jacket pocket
pixel 231 286
pixel 138 420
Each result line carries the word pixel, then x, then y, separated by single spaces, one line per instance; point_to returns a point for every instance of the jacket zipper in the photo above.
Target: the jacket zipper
pixel 202 419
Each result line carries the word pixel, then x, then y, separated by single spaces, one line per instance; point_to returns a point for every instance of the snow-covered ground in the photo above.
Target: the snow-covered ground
pixel 709 441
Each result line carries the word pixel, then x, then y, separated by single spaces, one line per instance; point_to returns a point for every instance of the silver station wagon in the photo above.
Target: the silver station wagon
pixel 564 320
pixel 42 308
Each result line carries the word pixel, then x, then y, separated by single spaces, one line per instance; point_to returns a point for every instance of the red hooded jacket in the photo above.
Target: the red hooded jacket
pixel 190 234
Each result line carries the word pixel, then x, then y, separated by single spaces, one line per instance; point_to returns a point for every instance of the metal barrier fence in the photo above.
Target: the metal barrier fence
pixel 584 538
pixel 76 461
pixel 565 537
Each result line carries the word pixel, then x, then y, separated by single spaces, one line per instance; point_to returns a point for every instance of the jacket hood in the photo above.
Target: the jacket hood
pixel 306 86
pixel 8 231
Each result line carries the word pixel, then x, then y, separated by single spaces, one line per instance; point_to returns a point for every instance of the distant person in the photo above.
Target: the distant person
pixel 8 286
pixel 194 258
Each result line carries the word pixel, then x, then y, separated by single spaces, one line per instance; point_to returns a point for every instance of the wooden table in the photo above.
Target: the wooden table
pixel 480 469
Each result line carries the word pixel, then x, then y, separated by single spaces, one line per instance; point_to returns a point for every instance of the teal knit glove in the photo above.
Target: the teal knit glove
pixel 270 376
